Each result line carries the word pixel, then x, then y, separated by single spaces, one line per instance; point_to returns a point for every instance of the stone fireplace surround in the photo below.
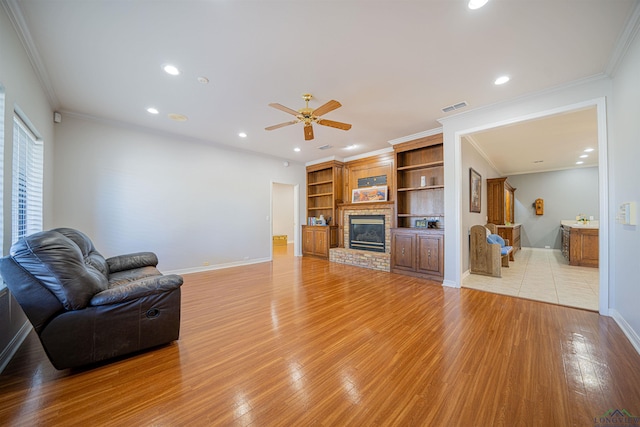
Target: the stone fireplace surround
pixel 373 260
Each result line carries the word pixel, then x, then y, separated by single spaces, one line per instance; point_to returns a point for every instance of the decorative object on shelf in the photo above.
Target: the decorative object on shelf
pixel 308 116
pixel 422 223
pixel 372 180
pixel 433 223
pixel 321 220
pixel 539 205
pixel 370 194
pixel 475 191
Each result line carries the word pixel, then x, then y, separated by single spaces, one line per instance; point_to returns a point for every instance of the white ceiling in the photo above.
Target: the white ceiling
pixel 392 64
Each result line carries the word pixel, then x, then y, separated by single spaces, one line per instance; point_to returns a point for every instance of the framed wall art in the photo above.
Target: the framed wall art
pixel 475 191
pixel 369 194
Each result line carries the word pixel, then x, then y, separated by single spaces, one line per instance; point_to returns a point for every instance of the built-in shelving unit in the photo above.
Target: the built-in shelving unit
pixel 324 190
pixel 419 172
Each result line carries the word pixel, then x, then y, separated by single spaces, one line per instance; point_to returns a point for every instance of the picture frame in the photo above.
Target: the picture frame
pixel 369 194
pixel 475 191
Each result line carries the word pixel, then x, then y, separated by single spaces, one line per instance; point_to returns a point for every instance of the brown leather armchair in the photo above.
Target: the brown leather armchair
pixel 86 308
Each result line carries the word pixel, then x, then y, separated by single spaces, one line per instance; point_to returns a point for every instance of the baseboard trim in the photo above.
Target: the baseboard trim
pixel 626 329
pixel 217 266
pixel 14 345
pixel 450 284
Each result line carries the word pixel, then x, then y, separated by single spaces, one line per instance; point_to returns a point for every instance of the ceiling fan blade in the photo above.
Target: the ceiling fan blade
pixel 308 132
pixel 283 108
pixel 325 108
pixel 337 125
pixel 281 125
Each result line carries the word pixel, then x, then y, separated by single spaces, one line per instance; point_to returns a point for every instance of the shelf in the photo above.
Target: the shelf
pixel 320 195
pixel 428 187
pixel 422 215
pixel 319 208
pixel 319 183
pixel 421 166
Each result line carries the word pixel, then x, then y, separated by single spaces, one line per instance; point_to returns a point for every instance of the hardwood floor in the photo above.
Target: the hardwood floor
pixel 302 341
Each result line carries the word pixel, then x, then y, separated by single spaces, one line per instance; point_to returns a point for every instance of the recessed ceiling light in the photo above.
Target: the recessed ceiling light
pixel 588 150
pixel 501 80
pixel 152 110
pixel 177 117
pixel 579 163
pixel 242 135
pixel 297 149
pixel 584 156
pixel 476 4
pixel 350 147
pixel 171 69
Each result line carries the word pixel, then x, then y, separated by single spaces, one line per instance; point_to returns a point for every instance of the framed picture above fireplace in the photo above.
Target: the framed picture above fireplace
pixel 369 194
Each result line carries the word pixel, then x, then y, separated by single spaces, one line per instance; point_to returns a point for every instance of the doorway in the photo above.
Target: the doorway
pixel 592 278
pixel 284 223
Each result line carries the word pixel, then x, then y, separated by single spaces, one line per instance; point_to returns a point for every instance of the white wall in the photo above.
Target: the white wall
pixel 625 179
pixel 566 194
pixel 283 216
pixel 472 159
pixel 193 204
pixel 23 91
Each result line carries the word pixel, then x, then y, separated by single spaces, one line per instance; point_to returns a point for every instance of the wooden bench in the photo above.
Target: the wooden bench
pixel 487 258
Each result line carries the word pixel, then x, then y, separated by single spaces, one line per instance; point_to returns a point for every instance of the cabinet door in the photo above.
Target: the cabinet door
pixel 430 254
pixel 320 244
pixel 404 251
pixel 307 241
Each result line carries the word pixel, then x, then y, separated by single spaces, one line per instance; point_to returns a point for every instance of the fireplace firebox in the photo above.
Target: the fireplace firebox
pixel 366 232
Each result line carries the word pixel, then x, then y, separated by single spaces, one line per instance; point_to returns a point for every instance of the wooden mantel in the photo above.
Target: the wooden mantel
pixel 364 205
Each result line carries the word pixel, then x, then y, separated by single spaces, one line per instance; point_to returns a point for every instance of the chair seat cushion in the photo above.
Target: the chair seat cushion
pixel 505 250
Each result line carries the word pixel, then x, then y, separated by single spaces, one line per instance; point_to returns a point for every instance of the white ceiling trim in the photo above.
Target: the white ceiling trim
pixel 17 19
pixel 475 145
pixel 418 135
pixel 627 37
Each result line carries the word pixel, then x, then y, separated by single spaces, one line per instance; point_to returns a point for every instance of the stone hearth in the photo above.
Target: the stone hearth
pixel 359 258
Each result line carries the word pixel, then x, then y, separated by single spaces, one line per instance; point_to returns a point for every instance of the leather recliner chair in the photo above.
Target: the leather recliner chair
pixel 86 308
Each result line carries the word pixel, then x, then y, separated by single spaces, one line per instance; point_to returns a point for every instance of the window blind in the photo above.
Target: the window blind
pixel 26 199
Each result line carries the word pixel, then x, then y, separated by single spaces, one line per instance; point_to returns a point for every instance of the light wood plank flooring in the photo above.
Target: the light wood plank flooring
pixel 301 342
pixel 543 275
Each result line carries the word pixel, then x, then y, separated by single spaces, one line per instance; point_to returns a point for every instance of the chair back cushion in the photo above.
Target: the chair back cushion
pixel 494 238
pixel 65 262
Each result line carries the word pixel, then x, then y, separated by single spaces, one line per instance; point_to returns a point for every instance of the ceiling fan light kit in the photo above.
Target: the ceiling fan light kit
pixel 308 116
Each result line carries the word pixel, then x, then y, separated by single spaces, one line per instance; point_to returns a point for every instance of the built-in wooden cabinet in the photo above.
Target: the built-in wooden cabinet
pixel 325 190
pixel 318 239
pixel 418 252
pixel 500 201
pixel 582 246
pixel 419 198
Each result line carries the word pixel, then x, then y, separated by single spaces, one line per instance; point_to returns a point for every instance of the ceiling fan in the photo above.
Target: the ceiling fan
pixel 308 116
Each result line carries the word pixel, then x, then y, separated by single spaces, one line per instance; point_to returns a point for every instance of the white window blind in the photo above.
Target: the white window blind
pixel 26 199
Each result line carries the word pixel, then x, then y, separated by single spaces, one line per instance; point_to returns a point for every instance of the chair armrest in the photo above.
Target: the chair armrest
pixel 131 261
pixel 506 242
pixel 137 289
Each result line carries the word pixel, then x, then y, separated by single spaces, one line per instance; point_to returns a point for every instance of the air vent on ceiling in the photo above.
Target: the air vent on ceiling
pixel 457 106
pixel 324 147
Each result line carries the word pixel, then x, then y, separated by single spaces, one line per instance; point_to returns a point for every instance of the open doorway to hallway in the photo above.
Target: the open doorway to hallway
pixel 283 225
pixel 552 158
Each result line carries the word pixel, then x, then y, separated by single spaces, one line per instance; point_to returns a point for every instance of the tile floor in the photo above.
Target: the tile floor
pixel 543 275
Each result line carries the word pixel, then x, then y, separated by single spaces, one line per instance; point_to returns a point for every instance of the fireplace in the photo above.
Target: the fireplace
pixel 366 232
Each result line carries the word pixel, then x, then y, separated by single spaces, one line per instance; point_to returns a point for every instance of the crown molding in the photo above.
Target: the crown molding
pixel 627 36
pixel 14 12
pixel 418 135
